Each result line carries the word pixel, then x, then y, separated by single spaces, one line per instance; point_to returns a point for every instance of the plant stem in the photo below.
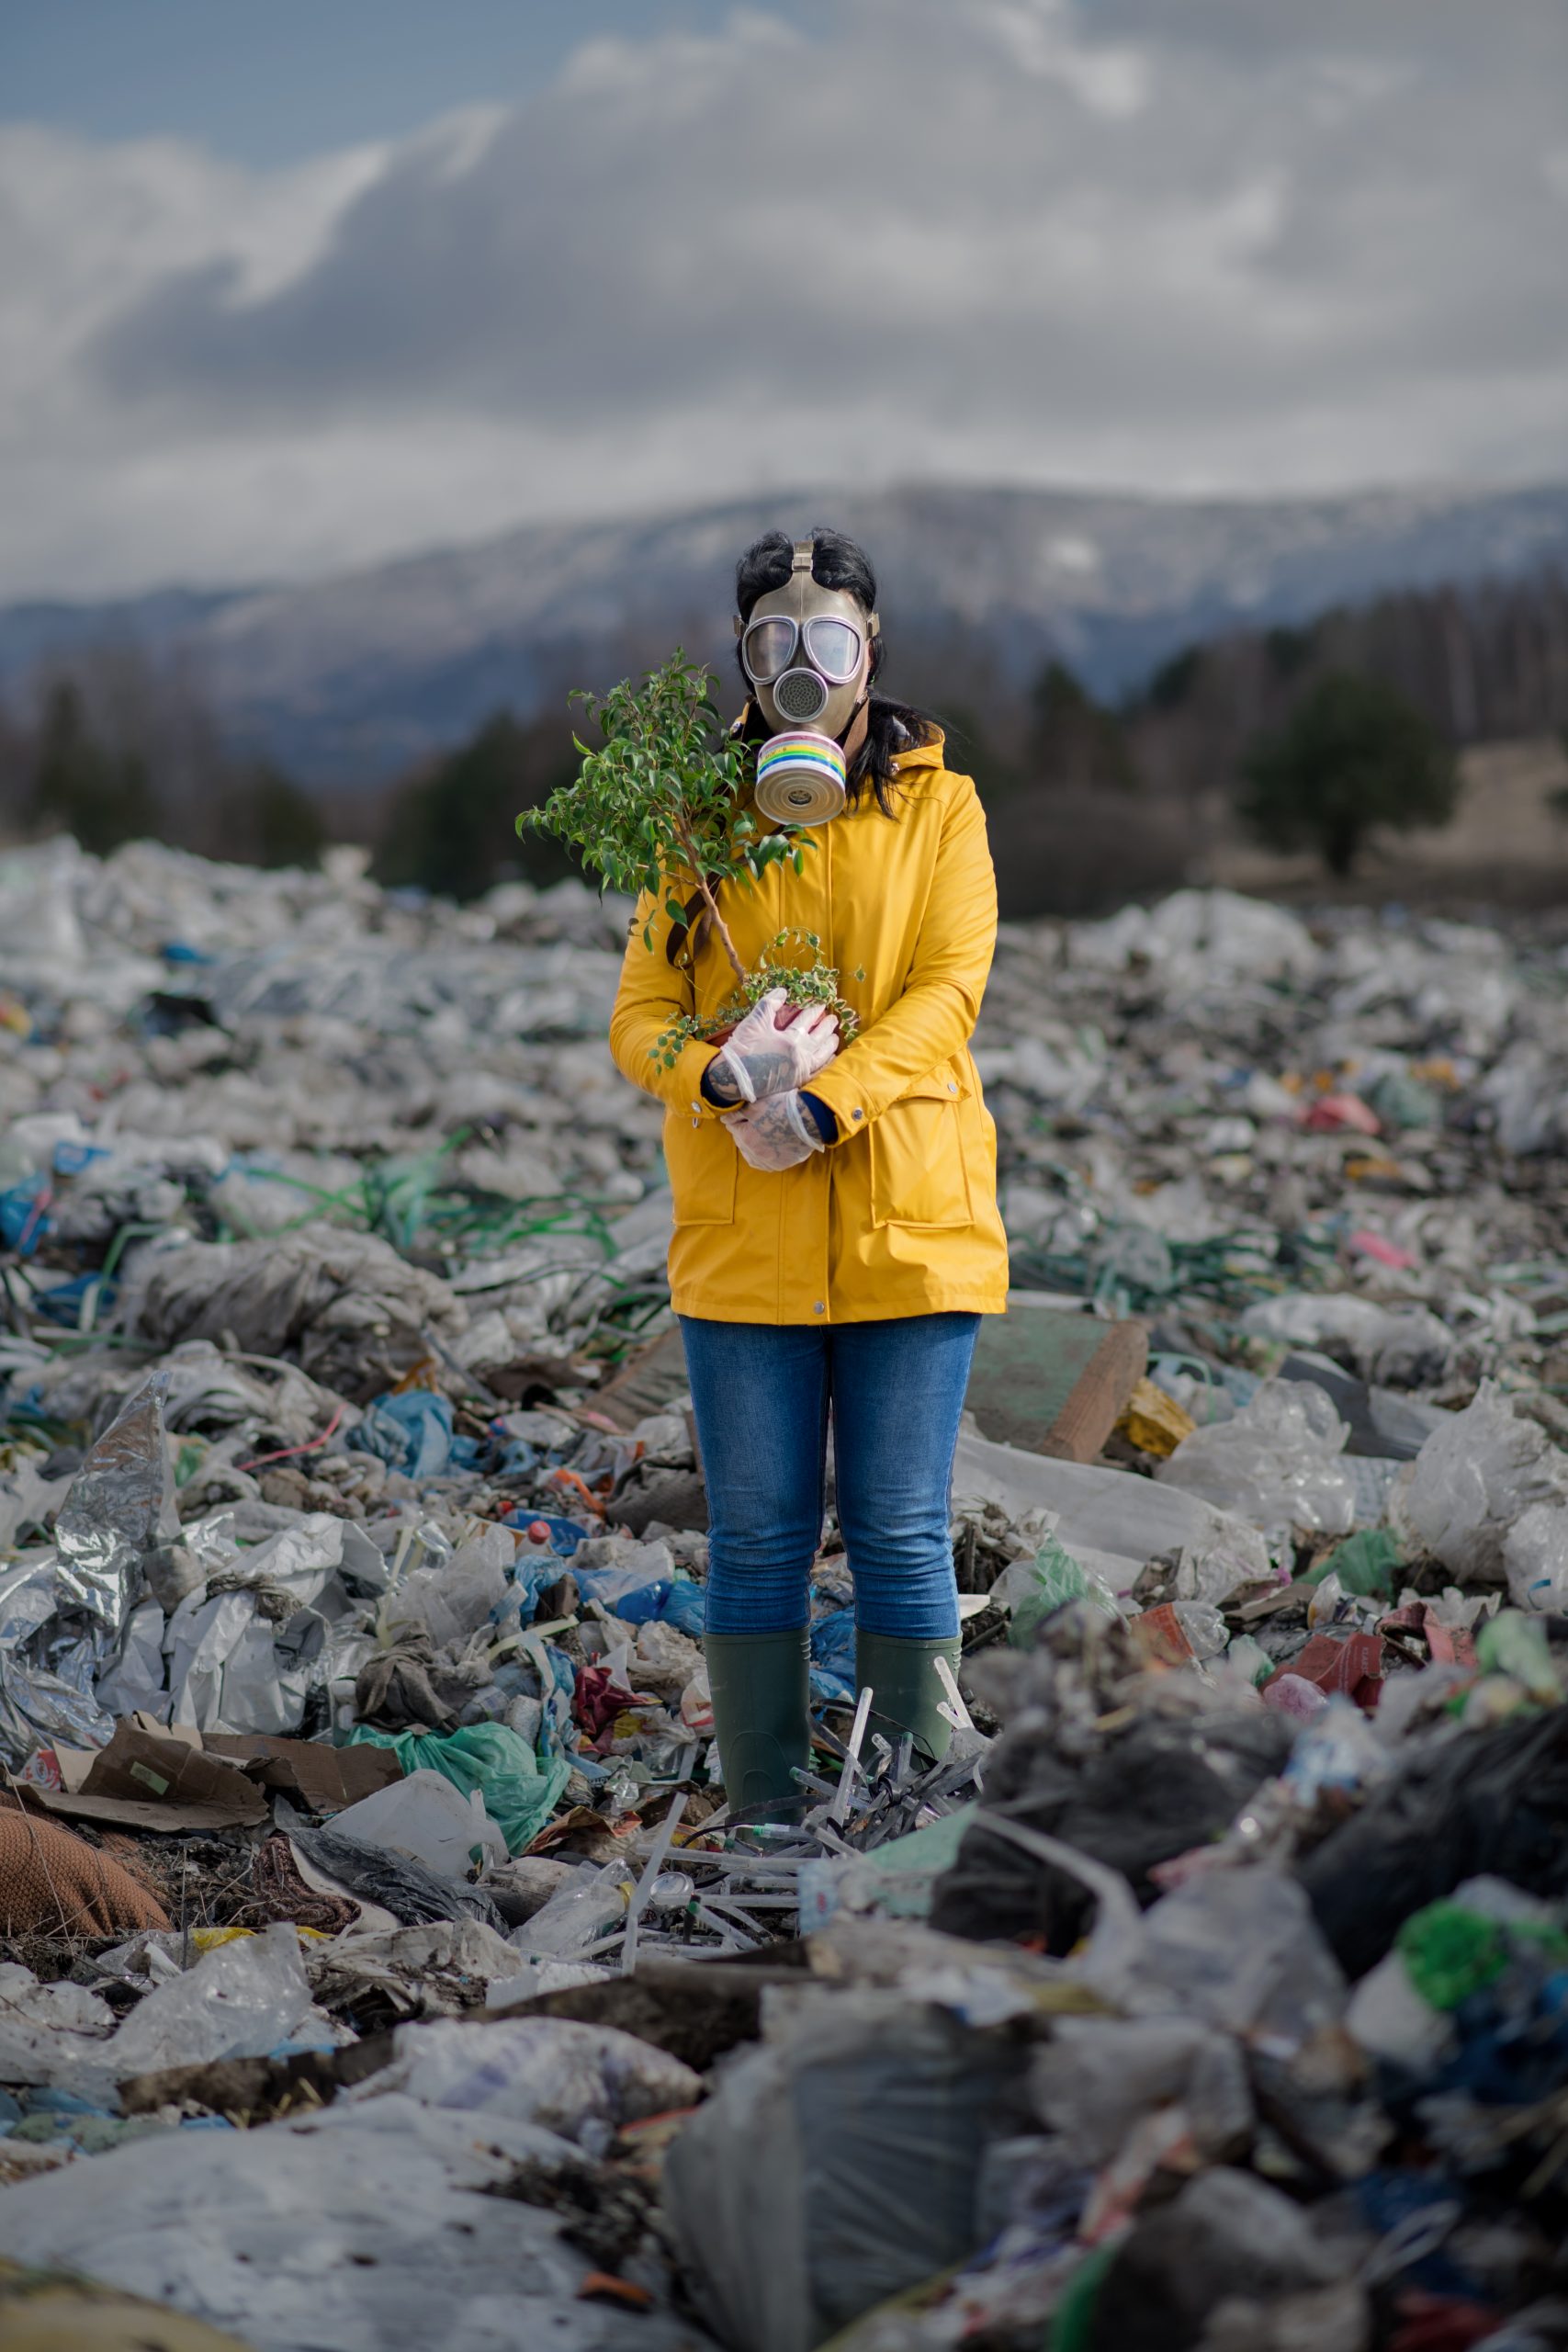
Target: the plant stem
pixel 718 923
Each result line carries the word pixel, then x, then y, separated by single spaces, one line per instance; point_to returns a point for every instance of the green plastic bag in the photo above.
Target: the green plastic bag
pixel 1449 1952
pixel 1052 1579
pixel 520 1793
pixel 1366 1564
pixel 1513 1643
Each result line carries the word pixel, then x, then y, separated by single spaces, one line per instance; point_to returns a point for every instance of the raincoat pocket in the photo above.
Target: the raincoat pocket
pixel 702 1161
pixel 918 1174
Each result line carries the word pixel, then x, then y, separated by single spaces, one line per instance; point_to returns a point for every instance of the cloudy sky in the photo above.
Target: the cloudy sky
pixel 288 287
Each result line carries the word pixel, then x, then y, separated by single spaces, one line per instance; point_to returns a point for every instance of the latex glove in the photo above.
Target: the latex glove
pixel 760 1059
pixel 774 1133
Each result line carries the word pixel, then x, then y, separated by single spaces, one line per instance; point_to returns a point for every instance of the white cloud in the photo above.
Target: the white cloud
pixel 1201 245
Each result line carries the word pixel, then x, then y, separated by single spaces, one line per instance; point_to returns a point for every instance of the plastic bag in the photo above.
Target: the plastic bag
pixel 424 1816
pixel 49 2033
pixel 577 1914
pixel 1275 1463
pixel 1226 2237
pixel 837 2166
pixel 632 1580
pixel 1097 2076
pixel 62 1613
pixel 1398 1347
pixel 520 1790
pixel 239 2001
pixel 1534 1559
pixel 583 2081
pixel 452 1601
pixel 411 1431
pixel 1144 1796
pixel 1472 1481
pixel 1365 1565
pixel 1030 1591
pixel 1490 1800
pixel 1103 1513
pixel 381 2227
pixel 1240 1950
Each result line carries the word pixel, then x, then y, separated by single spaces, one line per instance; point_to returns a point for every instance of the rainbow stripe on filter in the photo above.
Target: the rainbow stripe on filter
pixel 800 779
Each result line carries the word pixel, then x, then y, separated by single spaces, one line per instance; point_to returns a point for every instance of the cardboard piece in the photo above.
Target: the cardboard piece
pixel 648 1382
pixel 1050 1381
pixel 1045 1378
pixel 324 1779
pixel 147 1781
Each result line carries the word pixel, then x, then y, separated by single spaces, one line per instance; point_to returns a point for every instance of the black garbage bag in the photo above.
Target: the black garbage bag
pixel 1226 2239
pixel 1457 1805
pixel 1166 1783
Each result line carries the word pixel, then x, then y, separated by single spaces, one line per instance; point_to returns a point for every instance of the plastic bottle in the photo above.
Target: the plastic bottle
pixel 575 1918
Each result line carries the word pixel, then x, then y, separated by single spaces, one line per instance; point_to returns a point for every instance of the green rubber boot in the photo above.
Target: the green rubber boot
pixel 908 1694
pixel 761 1718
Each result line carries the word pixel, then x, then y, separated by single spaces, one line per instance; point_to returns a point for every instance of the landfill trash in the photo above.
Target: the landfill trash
pixel 836 2166
pixel 403 2227
pixel 489 1761
pixel 1208 1991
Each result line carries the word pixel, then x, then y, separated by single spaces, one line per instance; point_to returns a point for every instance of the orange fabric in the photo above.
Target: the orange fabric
pixel 53 1883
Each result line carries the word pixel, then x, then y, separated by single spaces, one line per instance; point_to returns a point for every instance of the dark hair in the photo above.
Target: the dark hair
pixel 836 562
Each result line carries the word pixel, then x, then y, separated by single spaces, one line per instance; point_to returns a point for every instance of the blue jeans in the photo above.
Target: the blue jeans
pixel 762 1393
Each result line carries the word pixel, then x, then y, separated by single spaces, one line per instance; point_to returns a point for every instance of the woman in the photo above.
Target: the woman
pixel 836 1232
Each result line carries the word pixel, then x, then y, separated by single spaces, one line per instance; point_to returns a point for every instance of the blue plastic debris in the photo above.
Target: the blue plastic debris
pixel 23 1219
pixel 566 1535
pixel 70 1159
pixel 411 1432
pixel 833 1644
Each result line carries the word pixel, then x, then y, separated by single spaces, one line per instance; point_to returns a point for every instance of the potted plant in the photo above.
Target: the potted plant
pixel 663 801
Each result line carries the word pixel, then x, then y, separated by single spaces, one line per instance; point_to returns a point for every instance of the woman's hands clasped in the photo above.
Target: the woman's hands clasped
pixel 761 1060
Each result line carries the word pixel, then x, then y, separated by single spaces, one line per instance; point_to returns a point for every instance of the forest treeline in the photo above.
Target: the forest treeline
pixel 1086 802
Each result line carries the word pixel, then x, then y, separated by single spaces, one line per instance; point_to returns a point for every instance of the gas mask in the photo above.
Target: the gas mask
pixel 807 652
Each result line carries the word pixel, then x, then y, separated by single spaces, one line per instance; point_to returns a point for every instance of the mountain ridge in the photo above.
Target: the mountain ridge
pixel 346 678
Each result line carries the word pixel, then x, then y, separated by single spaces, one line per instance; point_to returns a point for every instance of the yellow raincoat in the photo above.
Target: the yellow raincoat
pixel 899 1216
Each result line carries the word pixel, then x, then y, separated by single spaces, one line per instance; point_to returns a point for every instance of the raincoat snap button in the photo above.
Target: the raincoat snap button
pixel 857 1115
pixel 819 1308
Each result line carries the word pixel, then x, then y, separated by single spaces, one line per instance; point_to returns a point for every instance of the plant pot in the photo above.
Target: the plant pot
pixel 782 1018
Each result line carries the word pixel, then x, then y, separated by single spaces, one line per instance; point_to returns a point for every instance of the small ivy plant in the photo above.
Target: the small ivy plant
pixel 802 983
pixel 661 802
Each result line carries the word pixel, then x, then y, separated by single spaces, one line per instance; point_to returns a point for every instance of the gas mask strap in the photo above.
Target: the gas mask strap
pixel 802 556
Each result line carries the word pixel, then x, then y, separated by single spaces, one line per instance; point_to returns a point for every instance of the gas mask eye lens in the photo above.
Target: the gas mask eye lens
pixel 832 646
pixel 767 648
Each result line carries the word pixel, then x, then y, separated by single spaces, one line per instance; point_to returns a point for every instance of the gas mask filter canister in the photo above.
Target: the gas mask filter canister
pixel 800 779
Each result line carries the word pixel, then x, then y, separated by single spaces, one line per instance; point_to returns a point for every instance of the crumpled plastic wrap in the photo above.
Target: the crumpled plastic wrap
pixel 1473 1480
pixel 246 1648
pixel 239 2001
pixel 1276 1462
pixel 63 1610
pixel 347 1302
